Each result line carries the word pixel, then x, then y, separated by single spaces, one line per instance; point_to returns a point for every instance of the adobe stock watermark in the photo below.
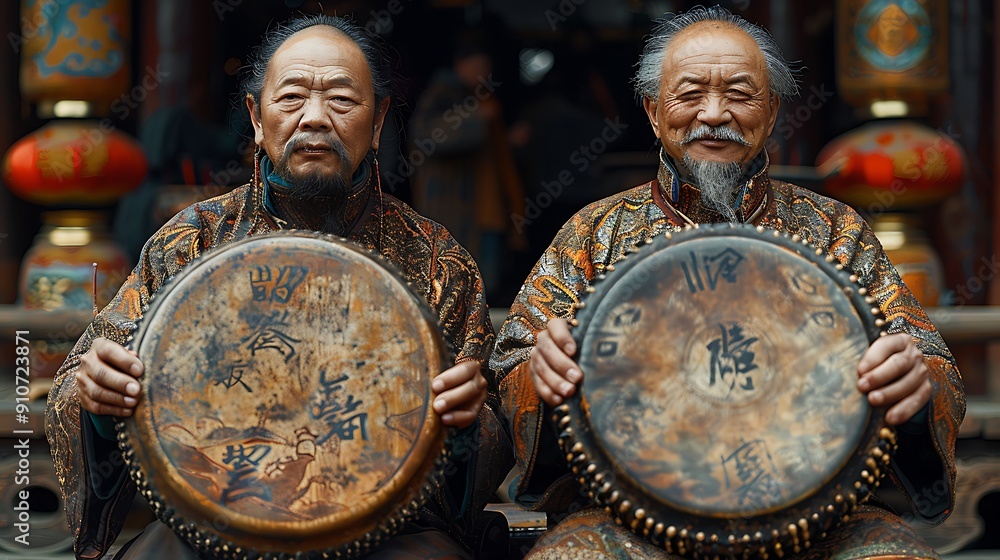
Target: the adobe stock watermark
pixel 381 20
pixel 453 117
pixel 791 121
pixel 224 7
pixel 589 494
pixel 562 12
pixel 63 167
pixel 581 159
pixel 927 499
pixel 31 27
pixel 129 101
pixel 988 269
pixel 230 171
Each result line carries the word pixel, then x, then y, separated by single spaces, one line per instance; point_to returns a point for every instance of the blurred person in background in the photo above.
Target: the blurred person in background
pixel 465 177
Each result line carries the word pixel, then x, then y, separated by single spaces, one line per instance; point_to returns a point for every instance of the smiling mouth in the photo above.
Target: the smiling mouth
pixel 715 142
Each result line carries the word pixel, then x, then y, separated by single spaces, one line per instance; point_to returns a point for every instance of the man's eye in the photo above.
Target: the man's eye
pixel 739 95
pixel 290 97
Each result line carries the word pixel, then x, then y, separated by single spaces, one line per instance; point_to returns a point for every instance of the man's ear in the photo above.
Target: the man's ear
pixel 651 106
pixel 258 130
pixel 379 120
pixel 775 105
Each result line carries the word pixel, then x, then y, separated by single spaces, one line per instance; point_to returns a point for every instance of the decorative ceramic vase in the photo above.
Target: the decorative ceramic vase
pixel 58 274
pixel 76 50
pixel 912 255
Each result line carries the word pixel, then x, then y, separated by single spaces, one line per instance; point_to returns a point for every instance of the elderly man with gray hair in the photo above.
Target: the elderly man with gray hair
pixel 711 84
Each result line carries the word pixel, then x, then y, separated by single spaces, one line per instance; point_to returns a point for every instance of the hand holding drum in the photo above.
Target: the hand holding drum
pixel 106 381
pixel 892 372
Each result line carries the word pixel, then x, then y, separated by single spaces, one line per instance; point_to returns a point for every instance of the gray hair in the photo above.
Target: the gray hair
pixel 780 75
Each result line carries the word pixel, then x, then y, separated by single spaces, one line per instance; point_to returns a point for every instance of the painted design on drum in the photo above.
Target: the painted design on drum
pixel 733 356
pixel 329 406
pixel 272 283
pixel 337 403
pixel 730 362
pixel 700 418
pixel 236 372
pixel 628 317
pixel 268 335
pixel 824 319
pixel 244 460
pixel 625 319
pixel 808 294
pixel 606 348
pixel 719 265
pixel 751 474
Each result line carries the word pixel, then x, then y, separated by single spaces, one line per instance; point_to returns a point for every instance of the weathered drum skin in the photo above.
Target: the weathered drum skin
pixel 719 413
pixel 287 400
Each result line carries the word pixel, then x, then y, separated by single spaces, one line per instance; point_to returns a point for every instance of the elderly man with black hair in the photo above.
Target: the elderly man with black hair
pixel 317 96
pixel 711 84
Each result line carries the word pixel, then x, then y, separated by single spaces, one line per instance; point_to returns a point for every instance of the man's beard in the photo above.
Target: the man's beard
pixel 719 181
pixel 330 192
pixel 316 184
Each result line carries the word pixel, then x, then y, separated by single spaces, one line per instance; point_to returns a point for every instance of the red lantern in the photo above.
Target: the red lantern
pixel 897 164
pixel 74 162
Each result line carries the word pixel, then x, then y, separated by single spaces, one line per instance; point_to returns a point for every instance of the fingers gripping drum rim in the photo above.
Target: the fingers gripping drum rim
pixel 287 400
pixel 719 414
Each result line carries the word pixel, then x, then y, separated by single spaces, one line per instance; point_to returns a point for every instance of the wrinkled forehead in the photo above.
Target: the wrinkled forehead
pixel 320 50
pixel 711 44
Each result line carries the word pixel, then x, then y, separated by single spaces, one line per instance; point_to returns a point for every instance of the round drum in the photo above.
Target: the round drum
pixel 719 412
pixel 287 400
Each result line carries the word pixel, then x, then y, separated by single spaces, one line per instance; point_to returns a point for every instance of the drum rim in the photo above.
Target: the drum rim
pixel 378 522
pixel 647 516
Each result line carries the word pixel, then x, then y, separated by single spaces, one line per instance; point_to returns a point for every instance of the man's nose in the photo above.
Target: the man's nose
pixel 714 111
pixel 315 115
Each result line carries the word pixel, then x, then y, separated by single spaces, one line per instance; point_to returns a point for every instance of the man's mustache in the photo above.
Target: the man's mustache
pixel 304 139
pixel 706 132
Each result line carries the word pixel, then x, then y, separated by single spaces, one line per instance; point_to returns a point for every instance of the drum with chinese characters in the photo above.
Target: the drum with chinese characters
pixel 287 400
pixel 719 413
